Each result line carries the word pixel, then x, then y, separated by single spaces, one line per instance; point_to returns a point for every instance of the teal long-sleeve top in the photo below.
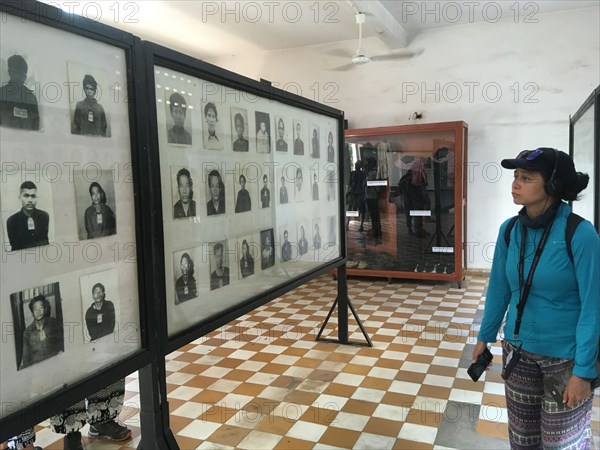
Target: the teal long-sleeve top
pixel 562 314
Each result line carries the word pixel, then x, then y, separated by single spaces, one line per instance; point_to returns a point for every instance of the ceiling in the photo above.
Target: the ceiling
pixel 207 29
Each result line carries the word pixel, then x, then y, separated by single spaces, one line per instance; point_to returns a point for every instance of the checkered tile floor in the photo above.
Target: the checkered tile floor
pixel 263 382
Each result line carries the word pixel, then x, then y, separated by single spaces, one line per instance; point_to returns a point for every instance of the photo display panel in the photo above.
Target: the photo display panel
pixel 249 194
pixel 68 278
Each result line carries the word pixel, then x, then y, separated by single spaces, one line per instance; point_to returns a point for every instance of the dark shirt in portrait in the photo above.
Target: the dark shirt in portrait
pixel 315 189
pixel 41 344
pixel 265 197
pixel 286 251
pixel 217 281
pixel 316 152
pixel 211 210
pixel 243 202
pixel 267 258
pixel 317 241
pixel 185 288
pixel 298 147
pixel 303 246
pixel 28 231
pixel 179 135
pixel 330 153
pixel 283 195
pixel 89 118
pixel 240 145
pixel 18 107
pixel 281 145
pixel 100 223
pixel 179 212
pixel 100 322
pixel 247 266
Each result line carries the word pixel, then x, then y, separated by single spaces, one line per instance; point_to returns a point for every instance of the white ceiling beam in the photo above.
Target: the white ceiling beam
pixel 382 23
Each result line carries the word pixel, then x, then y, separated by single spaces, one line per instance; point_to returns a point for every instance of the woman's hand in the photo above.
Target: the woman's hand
pixel 577 390
pixel 478 350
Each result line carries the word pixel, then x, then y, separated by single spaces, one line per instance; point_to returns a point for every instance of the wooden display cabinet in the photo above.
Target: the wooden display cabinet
pixel 415 178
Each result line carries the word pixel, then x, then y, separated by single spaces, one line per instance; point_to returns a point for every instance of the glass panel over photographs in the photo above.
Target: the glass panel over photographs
pixel 249 194
pixel 583 157
pixel 68 280
pixel 400 202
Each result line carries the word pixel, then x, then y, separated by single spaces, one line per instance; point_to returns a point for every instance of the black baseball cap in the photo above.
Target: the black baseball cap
pixel 544 160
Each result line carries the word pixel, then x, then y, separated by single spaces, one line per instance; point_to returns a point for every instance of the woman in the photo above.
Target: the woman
pixel 98 217
pixel 216 204
pixel 330 149
pixel 557 335
pixel 243 202
pixel 247 261
pixel 185 286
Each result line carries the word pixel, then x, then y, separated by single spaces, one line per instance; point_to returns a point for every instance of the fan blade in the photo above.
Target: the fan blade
pixel 343 68
pixel 403 55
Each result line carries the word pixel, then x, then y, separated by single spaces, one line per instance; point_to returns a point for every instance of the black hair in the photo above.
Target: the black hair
pixel 190 263
pixel 571 193
pixel 176 99
pixel 209 106
pixel 102 193
pixel 27 185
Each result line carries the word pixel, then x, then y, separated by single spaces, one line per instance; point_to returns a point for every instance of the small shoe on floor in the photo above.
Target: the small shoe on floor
pixel 72 441
pixel 109 431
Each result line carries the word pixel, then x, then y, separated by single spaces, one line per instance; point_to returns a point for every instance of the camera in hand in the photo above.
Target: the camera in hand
pixel 477 368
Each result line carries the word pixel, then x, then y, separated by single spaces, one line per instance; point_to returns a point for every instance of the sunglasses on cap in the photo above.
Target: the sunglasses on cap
pixel 529 155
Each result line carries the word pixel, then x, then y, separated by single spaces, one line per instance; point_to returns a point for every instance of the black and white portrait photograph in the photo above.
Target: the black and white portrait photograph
pixel 89 98
pixel 288 249
pixel 179 118
pixel 212 130
pixel 315 185
pixel 18 99
pixel 38 324
pixel 219 265
pixel 186 286
pixel 100 303
pixel 303 244
pixel 330 147
pixel 281 134
pixel 243 187
pixel 331 231
pixel 27 210
pixel 331 180
pixel 285 184
pixel 267 249
pixel 239 130
pixel 299 138
pixel 215 193
pixel 263 132
pixel 301 186
pixel 95 204
pixel 315 141
pixel 316 234
pixel 248 255
pixel 184 205
pixel 265 189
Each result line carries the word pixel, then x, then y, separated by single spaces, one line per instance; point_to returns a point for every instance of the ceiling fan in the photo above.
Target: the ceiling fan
pixel 362 58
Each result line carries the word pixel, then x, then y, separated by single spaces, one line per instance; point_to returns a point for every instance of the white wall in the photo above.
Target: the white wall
pixel 515 84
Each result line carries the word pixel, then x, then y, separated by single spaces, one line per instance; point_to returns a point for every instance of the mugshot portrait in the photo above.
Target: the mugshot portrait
pixel 315 142
pixel 27 211
pixel 331 181
pixel 331 231
pixel 215 193
pixel 301 186
pixel 38 324
pixel 263 132
pixel 239 130
pixel 265 189
pixel 184 205
pixel 303 245
pixel 288 247
pixel 248 255
pixel 315 185
pixel 212 130
pixel 18 99
pixel 286 183
pixel 178 118
pixel 243 187
pixel 330 147
pixel 281 134
pixel 298 138
pixel 89 95
pixel 219 265
pixel 316 234
pixel 95 203
pixel 100 304
pixel 267 249
pixel 186 286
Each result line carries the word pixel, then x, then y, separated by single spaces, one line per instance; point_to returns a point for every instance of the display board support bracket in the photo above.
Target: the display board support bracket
pixel 343 302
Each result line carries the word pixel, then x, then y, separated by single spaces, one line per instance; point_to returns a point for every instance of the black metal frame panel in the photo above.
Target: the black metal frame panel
pixel 30 10
pixel 164 57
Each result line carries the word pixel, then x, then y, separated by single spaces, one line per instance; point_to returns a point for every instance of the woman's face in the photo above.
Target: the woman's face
pixel 96 196
pixel 211 120
pixel 185 265
pixel 528 188
pixel 215 189
pixel 245 249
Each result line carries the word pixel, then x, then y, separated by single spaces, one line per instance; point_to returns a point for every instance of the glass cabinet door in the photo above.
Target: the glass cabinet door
pixel 401 202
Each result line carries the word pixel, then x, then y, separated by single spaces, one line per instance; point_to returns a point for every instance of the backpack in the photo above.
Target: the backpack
pixel 573 220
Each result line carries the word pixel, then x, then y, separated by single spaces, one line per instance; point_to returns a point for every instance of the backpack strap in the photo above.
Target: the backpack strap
pixel 509 228
pixel 573 220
